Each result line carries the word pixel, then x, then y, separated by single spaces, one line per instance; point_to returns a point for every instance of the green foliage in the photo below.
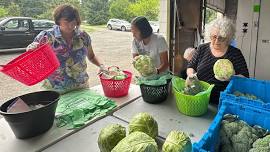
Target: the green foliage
pixel 96 11
pixel 147 8
pixel 13 10
pixel 210 15
pixel 3 12
pixel 119 9
pixel 33 10
pixel 50 5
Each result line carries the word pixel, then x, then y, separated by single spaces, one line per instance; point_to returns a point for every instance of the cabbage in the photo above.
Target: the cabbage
pixel 136 142
pixel 143 64
pixel 110 136
pixel 223 69
pixel 114 73
pixel 144 122
pixel 193 86
pixel 177 141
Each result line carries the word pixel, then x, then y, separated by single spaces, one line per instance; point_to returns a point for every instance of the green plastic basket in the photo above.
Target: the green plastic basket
pixel 188 104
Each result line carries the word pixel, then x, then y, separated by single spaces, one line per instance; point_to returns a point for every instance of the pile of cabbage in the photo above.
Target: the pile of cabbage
pixel 223 69
pixel 237 136
pixel 144 65
pixel 142 132
pixel 114 73
pixel 247 95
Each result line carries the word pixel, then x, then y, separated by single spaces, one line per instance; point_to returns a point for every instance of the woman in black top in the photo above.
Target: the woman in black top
pixel 221 32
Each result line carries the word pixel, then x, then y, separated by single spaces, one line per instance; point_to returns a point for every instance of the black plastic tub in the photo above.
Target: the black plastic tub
pixel 32 123
pixel 155 94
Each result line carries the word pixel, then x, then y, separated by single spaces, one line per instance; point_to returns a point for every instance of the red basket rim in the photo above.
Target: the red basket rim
pixel 23 57
pixel 125 71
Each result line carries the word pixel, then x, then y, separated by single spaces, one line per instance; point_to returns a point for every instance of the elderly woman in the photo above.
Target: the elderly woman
pixel 220 31
pixel 148 43
pixel 71 46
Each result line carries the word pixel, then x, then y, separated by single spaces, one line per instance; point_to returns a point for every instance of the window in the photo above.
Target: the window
pixel 17 25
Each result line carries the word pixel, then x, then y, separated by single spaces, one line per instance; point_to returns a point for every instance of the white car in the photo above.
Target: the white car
pixel 118 24
pixel 155 26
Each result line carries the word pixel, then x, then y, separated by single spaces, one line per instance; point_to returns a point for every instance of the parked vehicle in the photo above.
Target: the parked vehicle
pixel 117 24
pixel 43 24
pixel 18 32
pixel 155 26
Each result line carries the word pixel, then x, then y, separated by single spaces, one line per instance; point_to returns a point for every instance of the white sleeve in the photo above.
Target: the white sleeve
pixel 134 48
pixel 162 44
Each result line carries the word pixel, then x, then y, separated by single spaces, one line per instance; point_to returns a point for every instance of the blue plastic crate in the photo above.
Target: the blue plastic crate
pixel 259 88
pixel 252 115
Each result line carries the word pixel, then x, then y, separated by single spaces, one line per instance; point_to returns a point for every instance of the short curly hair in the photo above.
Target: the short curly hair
pixel 67 12
pixel 224 25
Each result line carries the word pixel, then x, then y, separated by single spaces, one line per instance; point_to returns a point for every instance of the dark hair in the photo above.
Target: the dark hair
pixel 143 25
pixel 68 12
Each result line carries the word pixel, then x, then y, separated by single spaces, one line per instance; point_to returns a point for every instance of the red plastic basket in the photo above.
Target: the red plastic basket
pixel 116 88
pixel 32 66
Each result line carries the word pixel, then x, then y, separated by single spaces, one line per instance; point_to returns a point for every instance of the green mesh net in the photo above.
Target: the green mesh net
pixel 76 108
pixel 154 80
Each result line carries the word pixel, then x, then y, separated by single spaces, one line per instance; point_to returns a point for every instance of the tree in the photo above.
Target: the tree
pixel 50 5
pixel 119 9
pixel 210 15
pixel 31 8
pixel 96 11
pixel 3 12
pixel 13 10
pixel 147 8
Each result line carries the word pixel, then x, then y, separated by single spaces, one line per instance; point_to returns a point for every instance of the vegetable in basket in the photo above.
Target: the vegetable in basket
pixel 144 122
pixel 261 145
pixel 114 73
pixel 177 141
pixel 144 65
pixel 247 95
pixel 236 135
pixel 136 142
pixel 192 86
pixel 110 136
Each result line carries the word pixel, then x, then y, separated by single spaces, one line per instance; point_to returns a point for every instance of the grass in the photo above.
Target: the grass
pixel 92 28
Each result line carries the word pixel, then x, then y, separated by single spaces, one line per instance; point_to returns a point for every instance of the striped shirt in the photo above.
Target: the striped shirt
pixel 203 61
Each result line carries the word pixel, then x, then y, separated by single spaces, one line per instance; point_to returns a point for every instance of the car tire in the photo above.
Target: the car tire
pixel 123 28
pixel 109 27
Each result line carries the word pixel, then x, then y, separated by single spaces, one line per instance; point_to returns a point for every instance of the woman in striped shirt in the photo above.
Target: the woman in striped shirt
pixel 220 31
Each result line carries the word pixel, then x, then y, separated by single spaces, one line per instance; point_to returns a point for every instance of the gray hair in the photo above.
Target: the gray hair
pixel 189 53
pixel 224 25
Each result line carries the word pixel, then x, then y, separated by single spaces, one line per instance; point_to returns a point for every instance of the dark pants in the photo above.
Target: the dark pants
pixel 215 94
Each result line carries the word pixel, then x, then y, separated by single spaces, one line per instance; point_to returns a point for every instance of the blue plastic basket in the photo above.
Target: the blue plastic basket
pixel 259 88
pixel 252 115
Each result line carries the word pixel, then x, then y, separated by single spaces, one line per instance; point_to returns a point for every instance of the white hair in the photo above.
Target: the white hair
pixel 224 25
pixel 189 53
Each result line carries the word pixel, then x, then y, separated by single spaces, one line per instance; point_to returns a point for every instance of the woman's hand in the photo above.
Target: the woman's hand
pixel 190 79
pixel 32 46
pixel 102 69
